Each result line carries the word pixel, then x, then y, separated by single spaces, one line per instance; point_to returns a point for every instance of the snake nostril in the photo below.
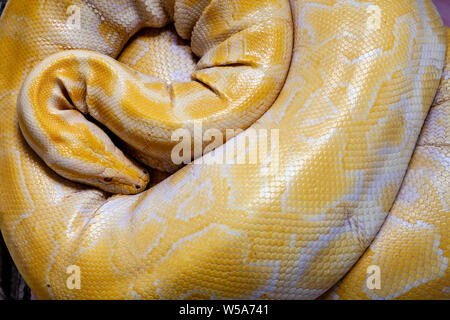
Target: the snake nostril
pixel 137 186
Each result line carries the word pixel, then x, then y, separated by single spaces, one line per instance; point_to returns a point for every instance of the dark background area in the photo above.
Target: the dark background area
pixel 11 284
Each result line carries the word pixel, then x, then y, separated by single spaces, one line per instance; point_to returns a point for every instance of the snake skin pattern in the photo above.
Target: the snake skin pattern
pixel 418 220
pixel 361 80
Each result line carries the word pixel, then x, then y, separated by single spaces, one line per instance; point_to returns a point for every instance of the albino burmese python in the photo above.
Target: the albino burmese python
pixel 347 83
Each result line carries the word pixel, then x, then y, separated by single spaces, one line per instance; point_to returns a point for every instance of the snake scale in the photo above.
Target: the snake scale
pixel 88 109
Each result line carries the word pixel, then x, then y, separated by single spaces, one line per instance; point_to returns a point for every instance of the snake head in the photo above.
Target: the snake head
pixel 132 180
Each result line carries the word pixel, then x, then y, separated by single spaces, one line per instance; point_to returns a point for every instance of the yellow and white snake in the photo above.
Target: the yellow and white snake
pixel 346 84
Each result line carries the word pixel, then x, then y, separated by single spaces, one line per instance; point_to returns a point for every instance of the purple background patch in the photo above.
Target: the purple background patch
pixel 444 9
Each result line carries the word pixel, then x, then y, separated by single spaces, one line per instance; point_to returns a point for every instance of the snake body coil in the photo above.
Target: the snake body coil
pixel 347 86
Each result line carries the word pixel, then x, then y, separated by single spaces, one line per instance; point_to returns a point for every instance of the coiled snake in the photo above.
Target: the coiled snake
pixel 345 84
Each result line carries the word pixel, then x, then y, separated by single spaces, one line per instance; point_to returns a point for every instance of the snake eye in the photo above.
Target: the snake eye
pixel 107 179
